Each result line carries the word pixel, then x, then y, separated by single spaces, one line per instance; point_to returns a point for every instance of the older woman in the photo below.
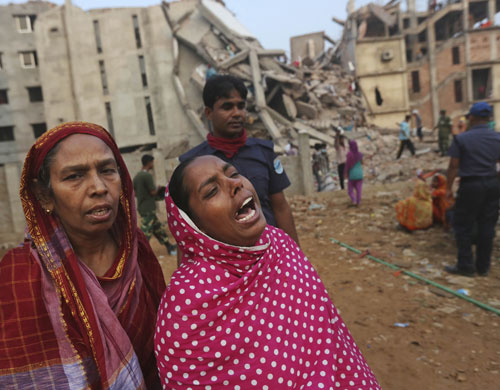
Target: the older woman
pixel 246 308
pixel 79 297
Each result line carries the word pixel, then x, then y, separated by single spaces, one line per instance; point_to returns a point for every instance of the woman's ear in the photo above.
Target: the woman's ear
pixel 43 195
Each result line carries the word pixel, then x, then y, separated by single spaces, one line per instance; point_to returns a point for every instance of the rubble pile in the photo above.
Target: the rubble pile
pixel 283 98
pixel 380 147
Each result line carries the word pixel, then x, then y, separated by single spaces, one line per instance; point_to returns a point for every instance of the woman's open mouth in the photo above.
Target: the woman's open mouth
pixel 100 213
pixel 247 210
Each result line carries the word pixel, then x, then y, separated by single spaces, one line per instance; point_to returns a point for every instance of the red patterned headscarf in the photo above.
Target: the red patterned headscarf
pixel 102 326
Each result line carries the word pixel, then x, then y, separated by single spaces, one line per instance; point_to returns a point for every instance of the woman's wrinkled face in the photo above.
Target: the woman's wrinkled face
pixel 85 186
pixel 222 202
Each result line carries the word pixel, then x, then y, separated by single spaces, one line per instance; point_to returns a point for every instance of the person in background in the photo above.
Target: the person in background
pixel 225 108
pixel 415 212
pixel 404 137
pixel 246 309
pixel 291 149
pixel 461 126
pixel 316 166
pixel 440 203
pixel 79 297
pixel 444 130
pixel 147 193
pixel 418 125
pixel 354 172
pixel 473 157
pixel 340 152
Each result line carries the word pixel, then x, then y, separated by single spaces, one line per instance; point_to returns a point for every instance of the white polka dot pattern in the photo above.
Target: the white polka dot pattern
pixel 260 318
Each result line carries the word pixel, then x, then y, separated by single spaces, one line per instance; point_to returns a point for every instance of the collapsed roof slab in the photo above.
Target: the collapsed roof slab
pixel 224 20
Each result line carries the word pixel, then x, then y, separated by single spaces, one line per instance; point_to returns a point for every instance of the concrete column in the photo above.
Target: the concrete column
pixel 468 72
pixel 305 163
pixel 431 48
pixel 13 178
pixel 412 11
pixel 160 177
pixel 491 10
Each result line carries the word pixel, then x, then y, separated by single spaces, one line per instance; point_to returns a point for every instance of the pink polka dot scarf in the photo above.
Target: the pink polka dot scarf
pixel 251 317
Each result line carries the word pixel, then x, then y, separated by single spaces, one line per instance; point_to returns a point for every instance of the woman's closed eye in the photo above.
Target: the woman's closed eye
pixel 210 193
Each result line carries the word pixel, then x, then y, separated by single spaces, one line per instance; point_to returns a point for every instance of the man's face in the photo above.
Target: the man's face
pixel 227 115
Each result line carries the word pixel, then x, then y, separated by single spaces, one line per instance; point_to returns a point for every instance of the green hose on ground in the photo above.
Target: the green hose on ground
pixel 418 277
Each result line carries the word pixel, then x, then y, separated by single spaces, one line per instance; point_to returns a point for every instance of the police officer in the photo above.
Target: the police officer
pixel 225 108
pixel 474 155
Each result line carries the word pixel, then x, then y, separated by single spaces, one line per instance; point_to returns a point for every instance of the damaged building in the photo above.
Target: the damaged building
pixel 139 72
pixel 446 57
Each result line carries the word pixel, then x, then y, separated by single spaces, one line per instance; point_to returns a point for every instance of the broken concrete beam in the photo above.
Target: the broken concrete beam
pixel 282 77
pixel 260 98
pixel 313 133
pixel 270 53
pixel 237 58
pixel 273 92
pixel 175 55
pixel 196 122
pixel 290 107
pixel 224 20
pixel 271 127
pixel 181 94
pixel 306 110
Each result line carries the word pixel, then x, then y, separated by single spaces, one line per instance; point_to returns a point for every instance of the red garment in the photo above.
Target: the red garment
pixel 229 146
pixel 61 327
pixel 439 202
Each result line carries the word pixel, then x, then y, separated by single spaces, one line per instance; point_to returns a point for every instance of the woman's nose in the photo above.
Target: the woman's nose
pixel 97 184
pixel 237 184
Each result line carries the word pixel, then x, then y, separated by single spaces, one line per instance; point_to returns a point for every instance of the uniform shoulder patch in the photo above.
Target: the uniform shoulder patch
pixel 278 167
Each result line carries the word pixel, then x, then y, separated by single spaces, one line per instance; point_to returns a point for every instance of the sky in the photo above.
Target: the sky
pixel 273 22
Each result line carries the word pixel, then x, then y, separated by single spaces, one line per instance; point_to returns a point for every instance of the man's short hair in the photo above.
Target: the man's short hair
pixel 218 87
pixel 407 117
pixel 146 159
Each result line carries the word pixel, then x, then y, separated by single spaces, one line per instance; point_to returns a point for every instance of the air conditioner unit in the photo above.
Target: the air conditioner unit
pixel 387 55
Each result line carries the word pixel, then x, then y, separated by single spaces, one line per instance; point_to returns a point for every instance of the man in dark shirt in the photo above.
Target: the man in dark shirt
pixel 146 193
pixel 474 155
pixel 225 107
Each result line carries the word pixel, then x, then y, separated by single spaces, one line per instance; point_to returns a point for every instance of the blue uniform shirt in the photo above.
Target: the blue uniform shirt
pixel 478 151
pixel 256 161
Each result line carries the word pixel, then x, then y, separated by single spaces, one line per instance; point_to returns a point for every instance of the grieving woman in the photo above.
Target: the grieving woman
pixel 79 296
pixel 246 309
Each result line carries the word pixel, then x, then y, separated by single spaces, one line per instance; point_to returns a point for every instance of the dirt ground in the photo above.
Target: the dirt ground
pixel 449 343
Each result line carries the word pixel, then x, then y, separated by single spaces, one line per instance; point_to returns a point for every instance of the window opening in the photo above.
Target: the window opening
pixel 28 59
pixel 39 129
pixel 4 96
pixel 142 66
pixel 97 34
pixel 6 133
pixel 456 55
pixel 135 21
pixel 104 79
pixel 415 81
pixel 35 94
pixel 149 112
pixel 458 91
pixel 481 83
pixel 109 117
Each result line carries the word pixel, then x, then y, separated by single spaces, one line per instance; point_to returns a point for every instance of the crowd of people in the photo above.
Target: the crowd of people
pixel 84 302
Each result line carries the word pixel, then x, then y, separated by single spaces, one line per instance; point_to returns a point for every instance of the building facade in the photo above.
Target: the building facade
pixel 449 55
pixel 22 117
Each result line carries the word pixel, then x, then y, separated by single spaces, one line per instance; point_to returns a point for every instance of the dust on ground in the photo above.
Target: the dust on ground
pixel 448 343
